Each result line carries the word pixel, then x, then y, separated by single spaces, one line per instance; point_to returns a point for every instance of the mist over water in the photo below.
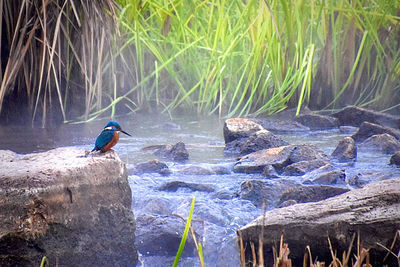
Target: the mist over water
pixel 215 218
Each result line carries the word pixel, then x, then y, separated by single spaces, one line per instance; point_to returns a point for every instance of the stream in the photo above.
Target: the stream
pixel 219 212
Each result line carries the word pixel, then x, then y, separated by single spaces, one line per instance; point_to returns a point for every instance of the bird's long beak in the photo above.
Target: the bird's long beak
pixel 125 133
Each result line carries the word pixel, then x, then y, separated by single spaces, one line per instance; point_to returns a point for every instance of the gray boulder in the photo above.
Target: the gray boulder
pixel 61 203
pixel 355 116
pixel 281 125
pixel 368 129
pixel 317 122
pixel 329 178
pixel 175 152
pixel 373 211
pixel 346 150
pixel 236 128
pixel 278 157
pixel 384 143
pixel 303 167
pixel 259 140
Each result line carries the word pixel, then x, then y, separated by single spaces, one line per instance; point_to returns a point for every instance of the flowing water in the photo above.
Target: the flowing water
pixel 218 214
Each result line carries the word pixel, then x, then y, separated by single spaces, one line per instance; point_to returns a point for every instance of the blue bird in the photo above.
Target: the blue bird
pixel 108 137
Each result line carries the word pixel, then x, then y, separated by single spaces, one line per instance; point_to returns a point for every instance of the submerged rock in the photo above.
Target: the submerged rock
pixel 266 192
pixel 175 185
pixel 355 116
pixel 60 204
pixel 317 122
pixel 384 143
pixel 368 129
pixel 346 150
pixel 161 235
pixel 152 166
pixel 373 211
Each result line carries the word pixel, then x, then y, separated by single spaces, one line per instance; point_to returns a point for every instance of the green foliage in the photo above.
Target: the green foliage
pixel 44 262
pixel 184 236
pixel 250 57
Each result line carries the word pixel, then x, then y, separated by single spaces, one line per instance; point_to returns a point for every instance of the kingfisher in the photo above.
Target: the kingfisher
pixel 108 137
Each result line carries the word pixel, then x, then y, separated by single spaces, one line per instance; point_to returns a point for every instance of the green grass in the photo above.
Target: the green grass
pixel 231 58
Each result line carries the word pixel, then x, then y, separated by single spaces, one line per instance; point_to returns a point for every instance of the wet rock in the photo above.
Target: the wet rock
pixel 287 203
pixel 317 172
pixel 307 152
pixel 259 140
pixel 347 129
pixel 363 178
pixel 161 235
pixel 175 152
pixel 302 167
pixel 264 191
pixel 310 193
pixel 195 170
pixel 152 166
pixel 355 116
pixel 346 150
pixel 221 170
pixel 328 178
pixel 60 203
pixel 395 158
pixel 255 162
pixel 269 172
pixel 368 129
pixel 384 143
pixel 157 205
pixel 236 128
pixel 224 194
pixel 317 122
pixel 372 211
pixel 281 126
pixel 175 185
pixel 278 157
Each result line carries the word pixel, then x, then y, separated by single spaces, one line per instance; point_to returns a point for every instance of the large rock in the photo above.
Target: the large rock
pixel 76 210
pixel 368 129
pixel 317 122
pixel 152 166
pixel 384 143
pixel 346 150
pixel 259 140
pixel 235 128
pixel 355 116
pixel 278 157
pixel 372 210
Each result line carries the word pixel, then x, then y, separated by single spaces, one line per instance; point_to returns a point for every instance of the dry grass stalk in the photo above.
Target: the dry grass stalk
pixel 283 259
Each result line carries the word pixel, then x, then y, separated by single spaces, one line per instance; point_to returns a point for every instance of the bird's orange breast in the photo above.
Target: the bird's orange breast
pixel 112 143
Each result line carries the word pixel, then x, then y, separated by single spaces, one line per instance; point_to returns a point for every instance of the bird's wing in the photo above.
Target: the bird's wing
pixel 104 138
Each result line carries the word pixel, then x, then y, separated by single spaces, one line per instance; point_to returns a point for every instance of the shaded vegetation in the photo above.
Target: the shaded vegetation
pixel 81 59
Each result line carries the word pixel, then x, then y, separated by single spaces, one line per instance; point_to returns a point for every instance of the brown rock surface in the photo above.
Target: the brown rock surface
pixel 373 210
pixel 75 210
